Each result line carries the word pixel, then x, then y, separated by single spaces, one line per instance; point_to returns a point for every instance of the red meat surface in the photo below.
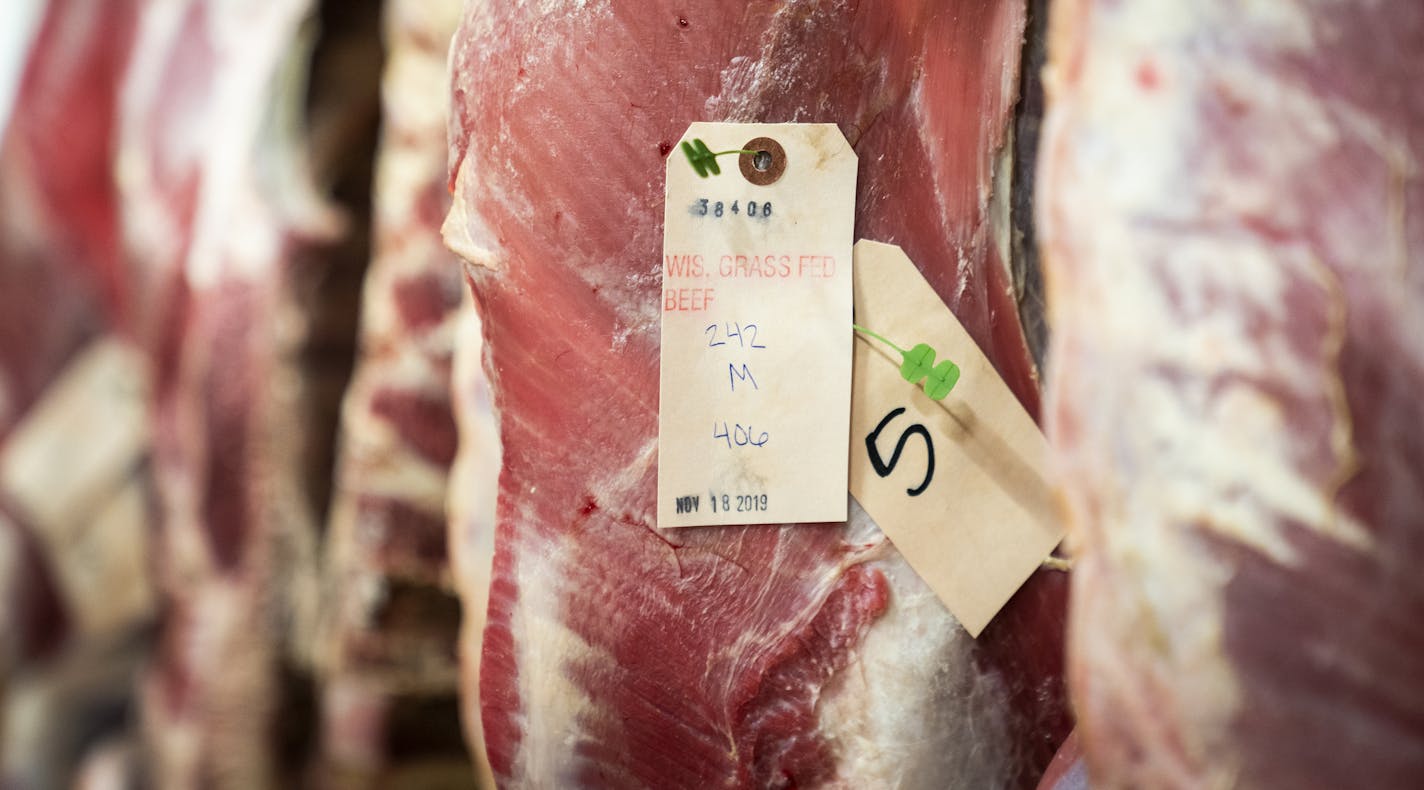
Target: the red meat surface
pixel 1234 217
pixel 617 655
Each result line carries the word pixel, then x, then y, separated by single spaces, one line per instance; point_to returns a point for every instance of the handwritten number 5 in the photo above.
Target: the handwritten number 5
pixel 882 468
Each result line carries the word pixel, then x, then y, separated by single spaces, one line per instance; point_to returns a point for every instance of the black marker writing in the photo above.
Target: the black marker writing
pixel 883 469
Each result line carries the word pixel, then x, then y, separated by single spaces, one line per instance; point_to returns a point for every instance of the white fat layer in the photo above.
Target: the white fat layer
pixel 19 24
pixel 552 704
pixel 247 203
pixel 472 512
pixel 150 228
pixel 912 710
pixel 917 101
pixel 414 92
pixel 436 18
pixel 110 764
pixel 415 96
pixel 463 231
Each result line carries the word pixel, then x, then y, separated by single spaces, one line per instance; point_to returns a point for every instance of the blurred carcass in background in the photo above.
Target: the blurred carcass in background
pixel 186 192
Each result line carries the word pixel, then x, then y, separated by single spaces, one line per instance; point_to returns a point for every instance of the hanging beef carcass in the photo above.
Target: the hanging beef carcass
pixel 75 488
pixel 60 270
pixel 618 655
pixel 216 205
pixel 392 617
pixel 1234 220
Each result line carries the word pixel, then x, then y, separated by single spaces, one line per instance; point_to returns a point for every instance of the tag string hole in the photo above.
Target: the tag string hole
pixel 764 162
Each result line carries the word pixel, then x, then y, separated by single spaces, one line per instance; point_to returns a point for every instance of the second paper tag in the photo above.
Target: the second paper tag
pixel 957 484
pixel 754 396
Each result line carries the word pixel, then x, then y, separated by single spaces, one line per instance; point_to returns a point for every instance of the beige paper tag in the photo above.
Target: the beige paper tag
pixel 73 466
pixel 75 448
pixel 754 401
pixel 958 485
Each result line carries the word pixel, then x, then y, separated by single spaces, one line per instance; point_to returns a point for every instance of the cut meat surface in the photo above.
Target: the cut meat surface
pixel 616 655
pixel 1234 214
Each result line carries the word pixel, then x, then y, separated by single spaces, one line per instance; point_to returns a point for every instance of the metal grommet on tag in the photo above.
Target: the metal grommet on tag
pixel 766 165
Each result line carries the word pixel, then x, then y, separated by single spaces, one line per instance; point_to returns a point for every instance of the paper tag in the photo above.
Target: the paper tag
pixel 958 485
pixel 72 466
pixel 80 442
pixel 756 330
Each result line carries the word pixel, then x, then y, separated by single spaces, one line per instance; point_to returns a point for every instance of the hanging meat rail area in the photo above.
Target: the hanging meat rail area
pixel 328 406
